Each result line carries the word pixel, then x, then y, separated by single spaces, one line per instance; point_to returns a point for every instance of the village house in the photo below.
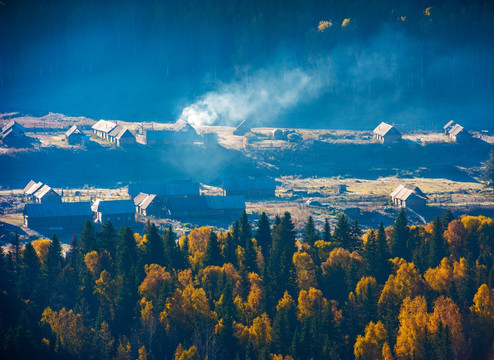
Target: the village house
pixel 180 133
pixel 121 136
pixel 386 133
pixel 102 129
pixel 41 193
pixel 66 216
pixel 13 135
pixel 149 205
pixel 118 212
pixel 47 195
pixel 256 188
pixel 448 126
pixel 459 135
pixel 74 136
pixel 166 190
pixel 408 196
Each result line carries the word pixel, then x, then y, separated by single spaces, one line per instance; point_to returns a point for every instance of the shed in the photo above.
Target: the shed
pixel 118 212
pixel 448 126
pixel 251 188
pixel 409 196
pixel 386 133
pixel 206 207
pixel 14 138
pixel 70 216
pixel 74 136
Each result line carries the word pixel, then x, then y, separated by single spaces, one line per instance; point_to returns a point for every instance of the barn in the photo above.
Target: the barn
pixel 13 135
pixel 66 216
pixel 250 188
pixel 41 193
pixel 409 196
pixel 386 133
pixel 118 212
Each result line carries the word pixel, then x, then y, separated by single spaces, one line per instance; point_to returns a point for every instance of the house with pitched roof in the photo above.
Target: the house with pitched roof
pixel 386 133
pixel 409 196
pixel 67 216
pixel 118 212
pixel 74 136
pixel 149 205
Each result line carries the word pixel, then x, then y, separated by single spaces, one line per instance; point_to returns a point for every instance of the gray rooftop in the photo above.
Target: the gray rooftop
pixel 110 207
pixel 61 209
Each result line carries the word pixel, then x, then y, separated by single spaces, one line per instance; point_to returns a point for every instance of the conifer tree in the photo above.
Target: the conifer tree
pixel 108 238
pixel 342 233
pixel 437 245
pixel 29 273
pixel 154 252
pixel 229 249
pixel 399 238
pixel 263 234
pixel 326 234
pixel 87 240
pixel 311 235
pixel 174 258
pixel 213 251
pixel 383 266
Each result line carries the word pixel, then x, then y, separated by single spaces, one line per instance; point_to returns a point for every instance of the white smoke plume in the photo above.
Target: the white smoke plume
pixel 261 96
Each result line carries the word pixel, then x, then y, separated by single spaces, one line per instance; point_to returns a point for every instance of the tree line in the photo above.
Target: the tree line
pixel 402 292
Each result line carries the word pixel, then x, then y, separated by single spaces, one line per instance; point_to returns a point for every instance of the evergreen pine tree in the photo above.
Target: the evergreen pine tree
pixel 399 238
pixel 174 258
pixel 370 254
pixel 263 234
pixel 87 241
pixel 29 273
pixel 229 250
pixel 108 238
pixel 437 245
pixel 311 235
pixel 153 252
pixel 213 251
pixel 342 233
pixel 383 266
pixel 326 234
pixel 250 257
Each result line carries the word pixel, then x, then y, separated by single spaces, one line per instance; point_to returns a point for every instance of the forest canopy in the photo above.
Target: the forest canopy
pixel 401 292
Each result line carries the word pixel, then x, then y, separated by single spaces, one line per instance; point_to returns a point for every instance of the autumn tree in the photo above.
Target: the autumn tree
pixel 411 342
pixel 369 346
